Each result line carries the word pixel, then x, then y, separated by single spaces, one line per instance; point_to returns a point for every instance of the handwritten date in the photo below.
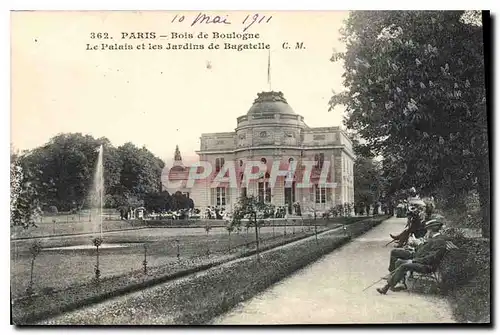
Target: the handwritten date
pixel 202 18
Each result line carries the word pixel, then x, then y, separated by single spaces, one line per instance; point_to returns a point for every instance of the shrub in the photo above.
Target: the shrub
pixel 466 277
pixel 472 300
pixel 53 210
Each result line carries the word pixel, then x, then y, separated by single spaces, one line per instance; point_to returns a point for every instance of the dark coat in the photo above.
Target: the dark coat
pixel 431 252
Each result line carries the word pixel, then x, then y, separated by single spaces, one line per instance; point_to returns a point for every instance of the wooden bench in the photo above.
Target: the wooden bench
pixel 434 275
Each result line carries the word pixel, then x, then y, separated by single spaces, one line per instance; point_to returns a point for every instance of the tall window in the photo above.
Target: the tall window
pixel 320 194
pixel 220 196
pixel 319 159
pixel 243 192
pixel 264 192
pixel 268 192
pixel 219 163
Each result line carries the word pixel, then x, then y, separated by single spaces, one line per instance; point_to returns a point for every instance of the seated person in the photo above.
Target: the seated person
pixel 413 227
pixel 433 230
pixel 425 260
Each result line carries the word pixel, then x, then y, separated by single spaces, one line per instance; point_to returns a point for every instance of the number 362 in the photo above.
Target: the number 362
pixel 99 35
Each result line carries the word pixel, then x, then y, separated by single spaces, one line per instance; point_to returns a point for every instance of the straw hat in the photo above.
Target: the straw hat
pixel 433 224
pixel 417 202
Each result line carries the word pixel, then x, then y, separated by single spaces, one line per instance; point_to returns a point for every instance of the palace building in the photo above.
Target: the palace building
pixel 270 132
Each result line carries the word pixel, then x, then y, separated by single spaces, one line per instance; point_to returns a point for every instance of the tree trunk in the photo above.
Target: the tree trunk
pixel 484 200
pixel 32 268
pixel 256 236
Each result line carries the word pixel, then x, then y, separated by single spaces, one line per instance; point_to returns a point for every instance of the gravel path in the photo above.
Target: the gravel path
pixel 330 291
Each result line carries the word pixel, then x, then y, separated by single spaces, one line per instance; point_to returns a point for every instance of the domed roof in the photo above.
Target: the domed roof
pixel 270 102
pixel 178 173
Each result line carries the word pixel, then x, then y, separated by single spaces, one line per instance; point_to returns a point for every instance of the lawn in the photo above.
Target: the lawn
pixel 189 301
pixel 71 267
pixel 66 276
pixel 71 225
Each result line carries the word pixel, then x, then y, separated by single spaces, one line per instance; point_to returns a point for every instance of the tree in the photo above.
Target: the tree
pixel 157 202
pixel 416 94
pixel 368 182
pixel 24 199
pixel 367 187
pixel 64 170
pixel 252 209
pixel 141 170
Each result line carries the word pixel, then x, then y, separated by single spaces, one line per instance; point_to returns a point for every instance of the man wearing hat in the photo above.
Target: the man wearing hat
pixel 433 228
pixel 424 259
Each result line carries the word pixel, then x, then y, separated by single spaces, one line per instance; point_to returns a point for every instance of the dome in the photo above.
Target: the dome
pixel 270 102
pixel 178 173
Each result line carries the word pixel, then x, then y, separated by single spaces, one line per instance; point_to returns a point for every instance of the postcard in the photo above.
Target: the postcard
pixel 250 167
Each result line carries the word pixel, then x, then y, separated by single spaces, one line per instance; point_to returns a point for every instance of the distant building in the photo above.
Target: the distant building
pixel 271 131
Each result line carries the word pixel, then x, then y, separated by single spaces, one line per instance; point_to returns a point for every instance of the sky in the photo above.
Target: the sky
pixel 161 98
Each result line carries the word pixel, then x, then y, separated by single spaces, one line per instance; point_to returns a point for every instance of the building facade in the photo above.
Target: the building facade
pixel 272 132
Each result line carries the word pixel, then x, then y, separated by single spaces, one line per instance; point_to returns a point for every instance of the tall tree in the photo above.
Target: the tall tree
pixel 63 170
pixel 141 170
pixel 416 93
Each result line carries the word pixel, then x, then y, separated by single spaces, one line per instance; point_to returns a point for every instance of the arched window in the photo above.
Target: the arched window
pixel 263 160
pixel 290 160
pixel 241 163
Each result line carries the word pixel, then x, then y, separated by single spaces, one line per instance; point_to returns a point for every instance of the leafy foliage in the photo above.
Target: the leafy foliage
pixel 61 172
pixel 368 181
pixel 163 201
pixel 24 201
pixel 466 277
pixel 416 94
pixel 141 170
pixel 249 207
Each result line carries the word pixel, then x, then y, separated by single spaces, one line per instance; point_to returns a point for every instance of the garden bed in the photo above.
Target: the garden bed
pixel 190 302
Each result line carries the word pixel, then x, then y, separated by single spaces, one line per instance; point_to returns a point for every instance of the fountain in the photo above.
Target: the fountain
pixel 96 200
pixel 97 194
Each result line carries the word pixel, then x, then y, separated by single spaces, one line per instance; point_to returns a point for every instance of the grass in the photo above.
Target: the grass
pixel 69 283
pixel 70 225
pixel 198 299
pixel 71 267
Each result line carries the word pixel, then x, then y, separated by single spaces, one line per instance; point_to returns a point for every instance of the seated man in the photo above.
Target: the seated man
pixel 424 260
pixel 433 230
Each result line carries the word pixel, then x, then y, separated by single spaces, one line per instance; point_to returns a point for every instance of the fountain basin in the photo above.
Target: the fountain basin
pixel 90 246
